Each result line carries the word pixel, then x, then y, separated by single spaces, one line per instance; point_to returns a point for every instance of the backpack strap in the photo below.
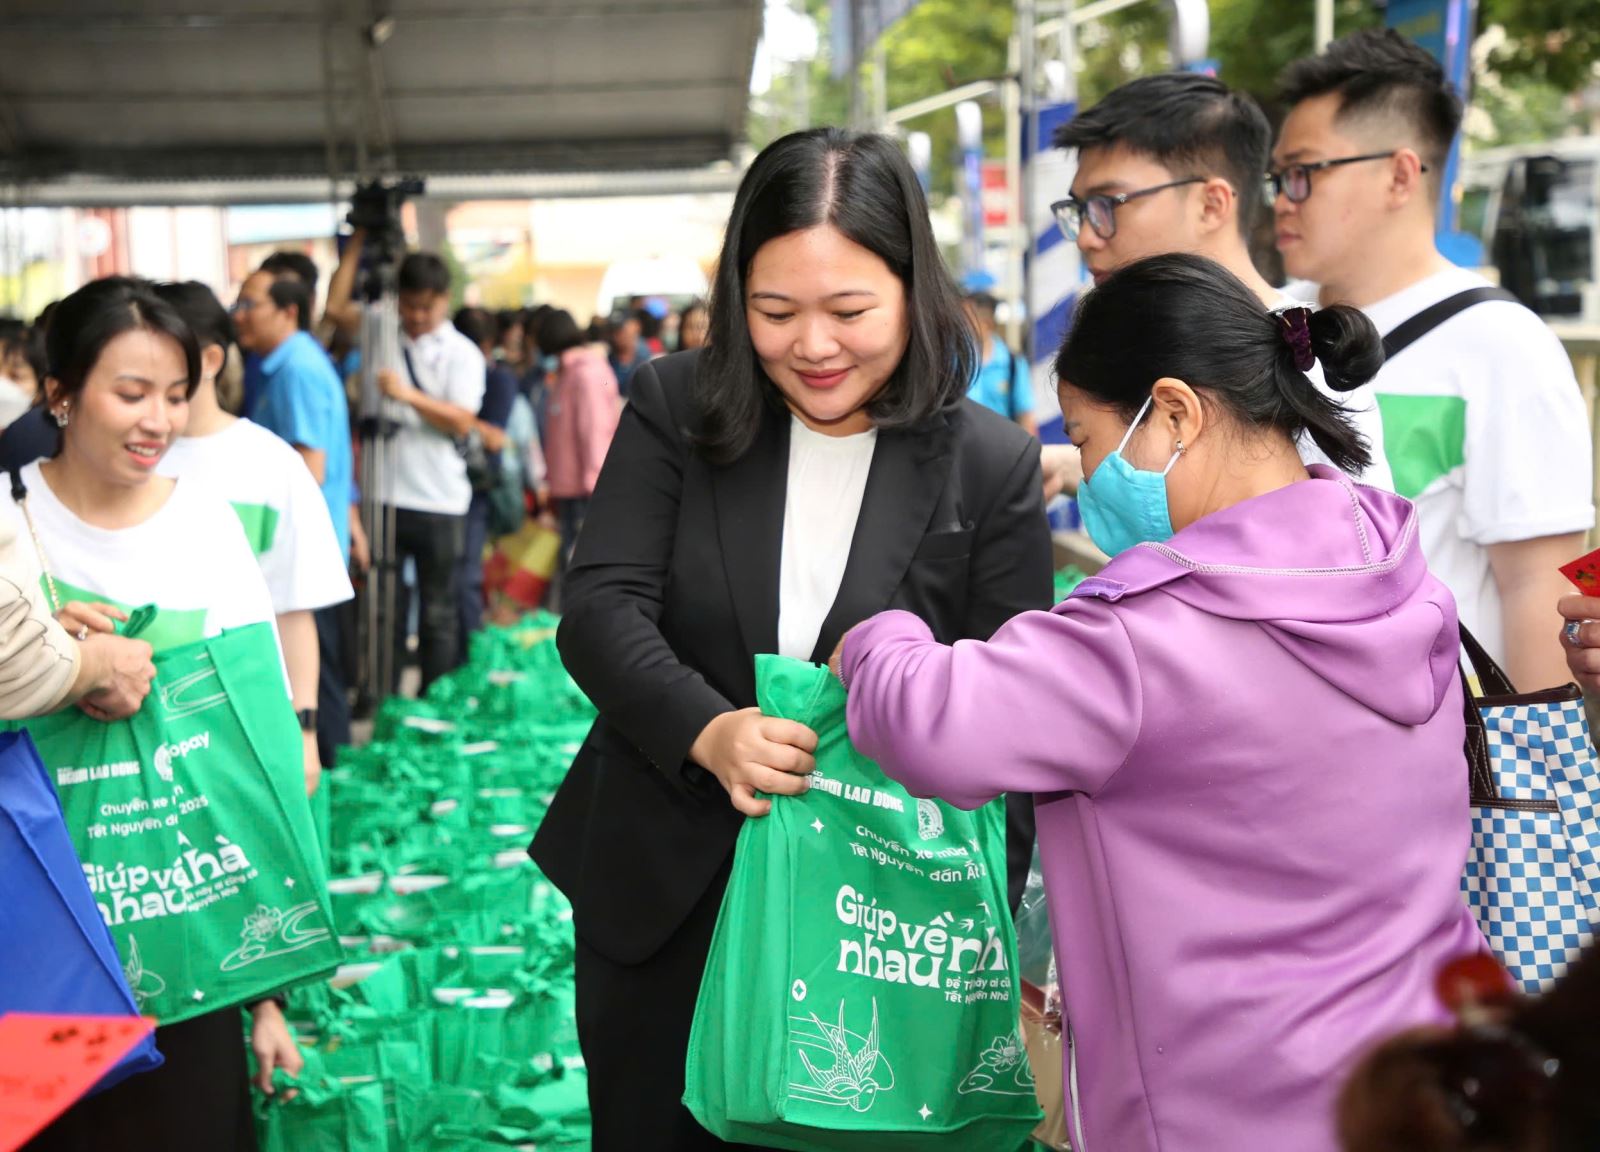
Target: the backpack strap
pixel 1011 371
pixel 1412 330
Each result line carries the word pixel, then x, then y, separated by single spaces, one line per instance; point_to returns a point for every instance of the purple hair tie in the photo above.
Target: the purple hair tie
pixel 1297 334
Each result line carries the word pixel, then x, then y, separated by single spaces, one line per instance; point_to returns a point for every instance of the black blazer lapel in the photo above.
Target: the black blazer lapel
pixel 909 470
pixel 749 496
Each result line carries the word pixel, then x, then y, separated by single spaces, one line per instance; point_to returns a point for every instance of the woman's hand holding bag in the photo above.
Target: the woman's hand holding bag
pixel 749 753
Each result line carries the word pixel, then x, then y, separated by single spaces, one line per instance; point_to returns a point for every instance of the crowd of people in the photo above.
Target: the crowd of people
pixel 1239 748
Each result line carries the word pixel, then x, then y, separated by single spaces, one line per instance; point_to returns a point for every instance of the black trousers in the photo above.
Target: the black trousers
pixel 434 542
pixel 333 697
pixel 469 575
pixel 199 1099
pixel 633 1024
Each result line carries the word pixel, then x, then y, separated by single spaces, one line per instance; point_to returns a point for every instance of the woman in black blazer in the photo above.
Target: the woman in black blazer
pixel 838 356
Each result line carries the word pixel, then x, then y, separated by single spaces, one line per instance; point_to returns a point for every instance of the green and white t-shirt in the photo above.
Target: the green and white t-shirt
pixel 1487 433
pixel 190 560
pixel 284 515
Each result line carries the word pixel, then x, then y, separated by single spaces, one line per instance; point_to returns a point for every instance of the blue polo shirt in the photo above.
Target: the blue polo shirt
pixel 302 400
pixel 1003 382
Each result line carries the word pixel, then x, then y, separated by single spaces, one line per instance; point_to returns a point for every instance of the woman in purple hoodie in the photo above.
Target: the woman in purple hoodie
pixel 1244 736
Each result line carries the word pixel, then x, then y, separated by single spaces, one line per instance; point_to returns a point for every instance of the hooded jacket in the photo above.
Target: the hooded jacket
pixel 1246 750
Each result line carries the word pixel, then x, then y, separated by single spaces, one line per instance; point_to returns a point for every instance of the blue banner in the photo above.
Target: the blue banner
pixel 856 26
pixel 1444 28
pixel 1054 271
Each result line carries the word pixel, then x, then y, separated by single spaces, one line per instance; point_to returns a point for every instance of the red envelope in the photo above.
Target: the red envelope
pixel 1584 572
pixel 47 1062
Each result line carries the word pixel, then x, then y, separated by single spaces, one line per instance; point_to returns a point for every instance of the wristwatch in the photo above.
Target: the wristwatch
pixel 308 719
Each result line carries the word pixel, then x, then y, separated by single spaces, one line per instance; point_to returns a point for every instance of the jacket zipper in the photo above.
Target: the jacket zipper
pixel 1078 1142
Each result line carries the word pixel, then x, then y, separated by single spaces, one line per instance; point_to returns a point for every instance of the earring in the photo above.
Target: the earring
pixel 61 417
pixel 1180 447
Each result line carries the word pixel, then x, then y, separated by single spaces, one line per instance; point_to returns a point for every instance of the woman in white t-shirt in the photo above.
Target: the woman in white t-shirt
pixel 276 499
pixel 112 536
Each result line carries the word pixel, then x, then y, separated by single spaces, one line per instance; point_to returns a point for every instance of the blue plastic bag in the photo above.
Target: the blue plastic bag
pixel 56 954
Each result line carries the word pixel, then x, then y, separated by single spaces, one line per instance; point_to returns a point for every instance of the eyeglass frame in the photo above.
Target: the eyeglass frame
pixel 1276 184
pixel 1113 201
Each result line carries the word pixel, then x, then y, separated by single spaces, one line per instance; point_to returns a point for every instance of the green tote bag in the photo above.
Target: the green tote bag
pixel 191 822
pixel 861 991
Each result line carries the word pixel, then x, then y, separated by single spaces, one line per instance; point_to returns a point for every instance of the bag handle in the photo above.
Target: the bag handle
pixel 1492 678
pixel 1493 681
pixel 1495 687
pixel 19 493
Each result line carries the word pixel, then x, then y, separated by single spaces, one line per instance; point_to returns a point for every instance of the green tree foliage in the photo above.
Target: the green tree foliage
pixel 1556 42
pixel 1551 47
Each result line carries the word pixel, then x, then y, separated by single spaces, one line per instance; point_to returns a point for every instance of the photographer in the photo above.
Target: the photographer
pixel 437 392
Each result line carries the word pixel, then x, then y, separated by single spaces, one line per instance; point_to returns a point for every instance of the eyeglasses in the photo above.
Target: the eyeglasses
pixel 1101 211
pixel 243 304
pixel 1294 180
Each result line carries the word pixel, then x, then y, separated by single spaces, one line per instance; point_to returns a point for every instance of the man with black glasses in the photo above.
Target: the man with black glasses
pixel 1174 163
pixel 1484 424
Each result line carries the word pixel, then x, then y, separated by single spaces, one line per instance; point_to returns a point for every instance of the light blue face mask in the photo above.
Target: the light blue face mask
pixel 551 365
pixel 1123 505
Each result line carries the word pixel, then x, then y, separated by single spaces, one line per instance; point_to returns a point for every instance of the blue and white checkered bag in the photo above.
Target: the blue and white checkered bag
pixel 1533 875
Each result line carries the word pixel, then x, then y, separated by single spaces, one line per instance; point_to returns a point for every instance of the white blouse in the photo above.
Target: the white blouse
pixel 827 479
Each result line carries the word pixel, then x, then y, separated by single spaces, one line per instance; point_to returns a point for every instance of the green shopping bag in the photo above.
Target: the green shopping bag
pixel 191 822
pixel 352 1118
pixel 861 991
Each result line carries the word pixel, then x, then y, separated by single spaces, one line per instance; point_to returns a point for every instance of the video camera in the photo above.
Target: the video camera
pixel 375 207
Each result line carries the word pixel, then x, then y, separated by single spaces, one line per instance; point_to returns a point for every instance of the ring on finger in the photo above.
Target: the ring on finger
pixel 83 633
pixel 1572 632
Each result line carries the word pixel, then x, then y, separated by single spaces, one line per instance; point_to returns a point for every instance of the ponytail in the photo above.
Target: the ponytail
pixel 1187 317
pixel 1346 344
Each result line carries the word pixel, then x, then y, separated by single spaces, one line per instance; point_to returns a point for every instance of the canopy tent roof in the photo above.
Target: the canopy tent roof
pixel 295 92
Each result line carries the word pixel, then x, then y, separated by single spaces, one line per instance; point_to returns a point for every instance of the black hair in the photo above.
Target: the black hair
pixel 289 291
pixel 27 343
pixel 506 319
pixel 649 325
pixel 1189 318
pixel 532 318
pixel 1191 124
pixel 559 332
pixel 1524 1081
pixel 984 302
pixel 1380 72
pixel 478 325
pixel 201 311
pixel 862 185
pixel 296 264
pixel 424 272
pixel 85 322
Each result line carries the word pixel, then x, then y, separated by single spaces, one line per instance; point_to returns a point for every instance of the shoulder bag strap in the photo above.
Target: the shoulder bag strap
pixel 19 493
pixel 1011 376
pixel 411 371
pixel 1412 330
pixel 1492 681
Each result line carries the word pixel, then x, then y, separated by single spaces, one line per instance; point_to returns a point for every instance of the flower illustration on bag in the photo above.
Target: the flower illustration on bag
pixel 271 932
pixel 1002 1070
pixel 262 924
pixel 144 984
pixel 853 1078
